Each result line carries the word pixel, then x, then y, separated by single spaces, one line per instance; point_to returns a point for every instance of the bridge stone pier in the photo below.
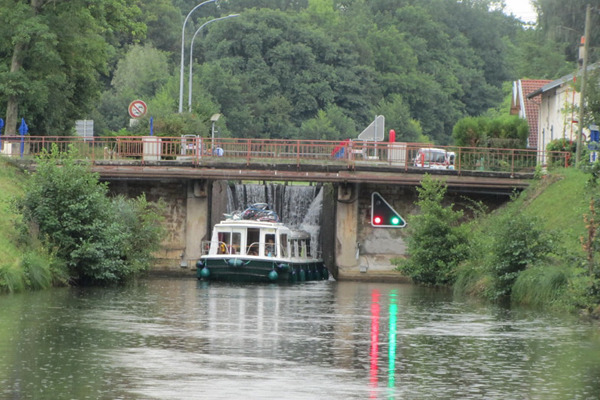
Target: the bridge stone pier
pixel 186 217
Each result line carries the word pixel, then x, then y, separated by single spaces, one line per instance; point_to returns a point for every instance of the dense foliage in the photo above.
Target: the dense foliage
pixel 437 243
pixel 101 239
pixel 530 253
pixel 519 241
pixel 309 68
pixel 500 132
pixel 561 144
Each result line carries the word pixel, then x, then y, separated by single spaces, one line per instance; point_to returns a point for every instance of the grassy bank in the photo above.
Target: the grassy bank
pixel 10 186
pixel 24 262
pixel 530 251
pixel 11 271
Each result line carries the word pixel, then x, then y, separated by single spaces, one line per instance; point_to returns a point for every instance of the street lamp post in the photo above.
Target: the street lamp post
pixel 214 120
pixel 182 50
pixel 583 83
pixel 192 50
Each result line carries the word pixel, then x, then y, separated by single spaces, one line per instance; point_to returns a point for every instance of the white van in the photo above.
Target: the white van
pixel 433 158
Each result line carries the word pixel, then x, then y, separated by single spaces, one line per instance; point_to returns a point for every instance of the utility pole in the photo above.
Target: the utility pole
pixel 583 81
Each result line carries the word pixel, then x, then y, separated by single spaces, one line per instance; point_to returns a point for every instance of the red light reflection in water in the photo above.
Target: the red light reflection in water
pixel 374 340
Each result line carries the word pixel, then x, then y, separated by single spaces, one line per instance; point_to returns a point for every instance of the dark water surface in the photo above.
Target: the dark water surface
pixel 183 339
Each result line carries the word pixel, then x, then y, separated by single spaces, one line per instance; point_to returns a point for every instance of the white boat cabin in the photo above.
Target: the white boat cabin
pixel 250 238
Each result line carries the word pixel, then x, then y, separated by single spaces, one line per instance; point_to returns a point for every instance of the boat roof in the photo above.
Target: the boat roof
pixel 298 234
pixel 250 223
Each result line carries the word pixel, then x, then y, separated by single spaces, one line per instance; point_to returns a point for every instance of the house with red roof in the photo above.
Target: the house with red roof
pixel 558 111
pixel 528 108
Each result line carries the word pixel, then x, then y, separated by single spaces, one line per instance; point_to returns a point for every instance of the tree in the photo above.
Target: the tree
pixel 397 117
pixel 592 98
pixel 319 128
pixel 51 54
pixel 163 21
pixel 563 21
pixel 536 56
pixel 102 240
pixel 142 72
pixel 437 242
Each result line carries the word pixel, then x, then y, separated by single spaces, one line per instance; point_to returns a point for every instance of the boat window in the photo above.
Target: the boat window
pixel 303 249
pixel 308 251
pixel 252 240
pixel 224 240
pixel 229 242
pixel 283 244
pixel 293 248
pixel 270 249
pixel 236 241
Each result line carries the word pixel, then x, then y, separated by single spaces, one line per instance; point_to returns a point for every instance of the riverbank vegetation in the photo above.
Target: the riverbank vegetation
pixel 541 249
pixel 60 227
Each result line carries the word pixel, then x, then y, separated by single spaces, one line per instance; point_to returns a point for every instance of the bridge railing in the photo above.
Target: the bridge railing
pixel 350 154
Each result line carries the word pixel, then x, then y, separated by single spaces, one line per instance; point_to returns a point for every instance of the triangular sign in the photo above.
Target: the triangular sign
pixel 374 131
pixel 383 214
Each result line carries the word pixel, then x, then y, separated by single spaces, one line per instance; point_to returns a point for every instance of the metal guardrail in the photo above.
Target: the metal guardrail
pixel 199 151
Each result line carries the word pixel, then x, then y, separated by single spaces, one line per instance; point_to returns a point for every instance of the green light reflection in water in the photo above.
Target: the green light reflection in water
pixel 392 341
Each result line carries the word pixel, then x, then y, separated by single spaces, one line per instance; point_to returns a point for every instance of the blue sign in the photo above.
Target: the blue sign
pixel 594 133
pixel 23 129
pixel 1 124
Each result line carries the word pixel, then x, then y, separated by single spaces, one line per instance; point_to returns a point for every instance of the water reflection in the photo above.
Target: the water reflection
pixel 173 339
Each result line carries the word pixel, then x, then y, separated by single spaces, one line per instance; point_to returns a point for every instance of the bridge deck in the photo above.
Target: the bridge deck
pixel 502 181
pixel 291 160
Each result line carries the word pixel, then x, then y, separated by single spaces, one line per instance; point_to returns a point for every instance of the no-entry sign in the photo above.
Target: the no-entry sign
pixel 137 109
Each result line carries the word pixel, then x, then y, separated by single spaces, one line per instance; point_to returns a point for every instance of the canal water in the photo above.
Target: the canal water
pixel 183 339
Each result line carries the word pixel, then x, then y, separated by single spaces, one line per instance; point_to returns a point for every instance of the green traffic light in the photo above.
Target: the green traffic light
pixel 395 221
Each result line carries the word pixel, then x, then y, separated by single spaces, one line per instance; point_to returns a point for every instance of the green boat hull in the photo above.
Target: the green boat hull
pixel 241 269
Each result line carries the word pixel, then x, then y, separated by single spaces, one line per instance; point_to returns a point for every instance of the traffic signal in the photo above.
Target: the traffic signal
pixel 383 215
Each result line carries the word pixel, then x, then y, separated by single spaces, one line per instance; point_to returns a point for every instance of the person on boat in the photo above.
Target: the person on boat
pixel 222 248
pixel 270 248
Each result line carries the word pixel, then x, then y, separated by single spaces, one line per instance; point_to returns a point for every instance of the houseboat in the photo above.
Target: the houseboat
pixel 250 250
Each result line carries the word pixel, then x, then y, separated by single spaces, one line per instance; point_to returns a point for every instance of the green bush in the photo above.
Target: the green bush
pixel 101 240
pixel 471 132
pixel 508 132
pixel 437 242
pixel 519 241
pixel 561 145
